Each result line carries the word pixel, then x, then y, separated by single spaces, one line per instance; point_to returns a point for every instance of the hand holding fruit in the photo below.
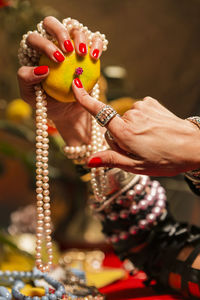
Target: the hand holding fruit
pixel 64 115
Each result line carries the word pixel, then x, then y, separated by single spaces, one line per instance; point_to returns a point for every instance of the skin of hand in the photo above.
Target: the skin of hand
pixel 64 115
pixel 148 139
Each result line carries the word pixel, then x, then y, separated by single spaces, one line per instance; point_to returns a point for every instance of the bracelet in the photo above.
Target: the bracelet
pixel 136 210
pixel 194 175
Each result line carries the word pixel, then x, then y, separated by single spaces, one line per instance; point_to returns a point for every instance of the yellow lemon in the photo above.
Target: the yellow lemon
pixel 58 84
pixel 18 110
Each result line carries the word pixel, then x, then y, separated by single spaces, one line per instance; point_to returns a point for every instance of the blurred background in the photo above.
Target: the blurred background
pixel 153 50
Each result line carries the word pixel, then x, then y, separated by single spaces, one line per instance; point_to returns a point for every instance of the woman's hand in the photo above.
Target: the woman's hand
pixel 64 115
pixel 147 139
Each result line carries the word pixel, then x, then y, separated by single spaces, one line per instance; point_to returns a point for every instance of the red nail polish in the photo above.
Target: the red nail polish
pixel 41 70
pixel 95 162
pixel 82 48
pixel 68 45
pixel 95 53
pixel 58 56
pixel 78 83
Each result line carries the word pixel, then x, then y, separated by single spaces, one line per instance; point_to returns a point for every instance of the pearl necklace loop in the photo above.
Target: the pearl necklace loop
pixel 43 227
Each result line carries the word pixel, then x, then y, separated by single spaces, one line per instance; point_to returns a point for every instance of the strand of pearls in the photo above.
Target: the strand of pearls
pixel 43 227
pixel 98 176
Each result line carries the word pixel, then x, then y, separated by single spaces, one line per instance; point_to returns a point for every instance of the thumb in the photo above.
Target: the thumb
pixel 112 159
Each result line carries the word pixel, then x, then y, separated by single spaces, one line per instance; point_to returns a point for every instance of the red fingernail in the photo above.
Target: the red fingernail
pixel 95 162
pixel 95 53
pixel 41 70
pixel 78 83
pixel 82 48
pixel 58 56
pixel 68 45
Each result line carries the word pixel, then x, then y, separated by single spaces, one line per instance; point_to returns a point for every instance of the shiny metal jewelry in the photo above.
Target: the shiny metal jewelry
pixel 105 115
pixel 194 175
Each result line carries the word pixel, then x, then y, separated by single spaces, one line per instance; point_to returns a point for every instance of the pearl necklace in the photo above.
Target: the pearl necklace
pixel 98 176
pixel 43 227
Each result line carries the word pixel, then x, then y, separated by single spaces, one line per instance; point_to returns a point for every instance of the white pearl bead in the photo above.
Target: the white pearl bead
pixel 39 151
pixel 39 171
pixel 41 216
pixel 45 166
pixel 45 153
pixel 38 262
pixel 39 202
pixel 39 190
pixel 46 199
pixel 46 205
pixel 47 212
pixel 47 219
pixel 39 183
pixel 49 251
pixel 46 192
pixel 45 179
pixel 38 255
pixel 39 229
pixel 39 210
pixel 40 223
pixel 47 231
pixel 47 225
pixel 45 159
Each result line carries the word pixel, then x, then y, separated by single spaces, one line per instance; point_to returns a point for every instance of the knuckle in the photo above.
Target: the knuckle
pixel 111 158
pixel 31 37
pixel 48 20
pixel 149 100
pixel 22 73
pixel 49 47
pixel 138 104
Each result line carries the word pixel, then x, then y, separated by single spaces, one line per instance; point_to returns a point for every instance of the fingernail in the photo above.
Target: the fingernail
pixel 95 162
pixel 68 45
pixel 82 48
pixel 58 56
pixel 95 53
pixel 41 70
pixel 78 83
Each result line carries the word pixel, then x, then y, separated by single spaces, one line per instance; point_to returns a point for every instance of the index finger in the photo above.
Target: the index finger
pixel 93 106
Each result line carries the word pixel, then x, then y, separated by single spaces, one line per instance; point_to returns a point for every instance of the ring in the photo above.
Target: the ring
pixel 105 115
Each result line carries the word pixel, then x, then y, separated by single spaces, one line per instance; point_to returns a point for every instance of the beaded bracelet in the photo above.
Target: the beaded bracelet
pixel 138 209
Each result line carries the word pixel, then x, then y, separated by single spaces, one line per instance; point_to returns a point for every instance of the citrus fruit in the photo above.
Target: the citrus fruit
pixel 58 84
